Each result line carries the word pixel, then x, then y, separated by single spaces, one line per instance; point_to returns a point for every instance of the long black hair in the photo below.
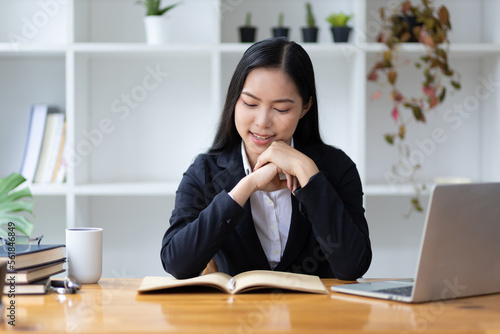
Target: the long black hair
pixel 271 53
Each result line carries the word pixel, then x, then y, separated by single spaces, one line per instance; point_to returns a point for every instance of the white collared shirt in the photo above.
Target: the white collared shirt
pixel 272 215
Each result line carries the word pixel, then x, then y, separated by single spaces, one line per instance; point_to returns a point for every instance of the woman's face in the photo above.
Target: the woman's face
pixel 268 109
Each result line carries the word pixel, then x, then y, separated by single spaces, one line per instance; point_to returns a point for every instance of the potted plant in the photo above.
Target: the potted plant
pixel 310 32
pixel 248 32
pixel 13 202
pixel 155 22
pixel 281 30
pixel 338 26
pixel 431 30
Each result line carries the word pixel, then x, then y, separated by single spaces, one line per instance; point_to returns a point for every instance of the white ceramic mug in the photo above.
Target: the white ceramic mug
pixel 84 253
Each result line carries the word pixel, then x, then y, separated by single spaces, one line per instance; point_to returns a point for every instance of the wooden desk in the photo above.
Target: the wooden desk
pixel 113 305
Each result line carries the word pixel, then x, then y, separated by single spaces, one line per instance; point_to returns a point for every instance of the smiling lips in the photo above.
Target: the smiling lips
pixel 261 139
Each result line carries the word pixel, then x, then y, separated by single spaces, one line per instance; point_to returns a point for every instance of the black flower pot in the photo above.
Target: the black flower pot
pixel 281 32
pixel 310 34
pixel 409 22
pixel 247 34
pixel 340 34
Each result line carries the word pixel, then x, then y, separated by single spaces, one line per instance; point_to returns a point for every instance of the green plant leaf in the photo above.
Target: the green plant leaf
pixel 456 85
pixel 166 9
pixel 416 204
pixel 389 139
pixel 9 183
pixel 24 192
pixel 417 113
pixel 17 206
pixel 281 19
pixel 310 19
pixel 12 202
pixel 425 58
pixel 248 20
pixel 339 19
pixel 22 224
pixel 442 54
pixel 442 95
pixel 153 7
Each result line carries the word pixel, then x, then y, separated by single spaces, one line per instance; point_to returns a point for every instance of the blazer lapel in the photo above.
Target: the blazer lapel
pixel 299 229
pixel 247 233
pixel 232 172
pixel 299 226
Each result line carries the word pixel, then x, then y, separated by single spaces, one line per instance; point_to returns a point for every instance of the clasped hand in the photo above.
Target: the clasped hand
pixel 281 158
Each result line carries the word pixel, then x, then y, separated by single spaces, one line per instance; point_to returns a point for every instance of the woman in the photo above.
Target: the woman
pixel 270 194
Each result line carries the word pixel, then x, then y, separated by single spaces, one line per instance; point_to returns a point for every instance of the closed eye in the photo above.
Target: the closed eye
pixel 281 110
pixel 249 105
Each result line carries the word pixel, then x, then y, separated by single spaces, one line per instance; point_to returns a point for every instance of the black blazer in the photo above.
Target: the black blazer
pixel 328 233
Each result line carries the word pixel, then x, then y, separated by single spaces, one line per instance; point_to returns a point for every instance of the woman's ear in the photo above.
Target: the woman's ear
pixel 306 107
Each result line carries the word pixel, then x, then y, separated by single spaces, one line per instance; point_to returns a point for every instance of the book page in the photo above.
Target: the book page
pixel 275 279
pixel 216 280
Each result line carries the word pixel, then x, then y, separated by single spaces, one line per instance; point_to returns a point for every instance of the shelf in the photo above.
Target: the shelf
pixel 388 190
pixel 107 189
pixel 127 189
pixel 40 49
pixel 169 189
pixel 114 49
pixel 471 49
pixel 141 48
pixel 49 189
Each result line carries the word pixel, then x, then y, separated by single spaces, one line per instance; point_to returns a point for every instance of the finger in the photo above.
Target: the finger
pixel 260 162
pixel 295 184
pixel 289 181
pixel 264 158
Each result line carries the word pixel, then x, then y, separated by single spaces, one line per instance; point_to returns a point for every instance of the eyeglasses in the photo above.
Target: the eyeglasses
pixel 69 286
pixel 21 243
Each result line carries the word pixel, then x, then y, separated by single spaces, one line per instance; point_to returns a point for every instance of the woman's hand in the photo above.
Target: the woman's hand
pixel 294 164
pixel 265 178
pixel 279 158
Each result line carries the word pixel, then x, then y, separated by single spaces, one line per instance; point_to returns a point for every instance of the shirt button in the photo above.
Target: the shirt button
pixel 273 227
pixel 269 202
pixel 276 251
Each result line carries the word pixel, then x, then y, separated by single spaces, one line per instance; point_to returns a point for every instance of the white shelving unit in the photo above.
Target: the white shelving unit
pixel 138 114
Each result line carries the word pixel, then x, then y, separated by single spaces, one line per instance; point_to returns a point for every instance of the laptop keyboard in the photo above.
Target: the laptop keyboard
pixel 401 291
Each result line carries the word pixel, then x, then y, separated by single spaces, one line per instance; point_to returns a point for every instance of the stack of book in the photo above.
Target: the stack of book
pixel 44 160
pixel 29 268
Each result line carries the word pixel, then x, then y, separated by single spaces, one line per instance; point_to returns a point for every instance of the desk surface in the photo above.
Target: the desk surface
pixel 113 305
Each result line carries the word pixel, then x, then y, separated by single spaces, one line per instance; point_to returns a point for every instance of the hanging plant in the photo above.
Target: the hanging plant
pixel 423 24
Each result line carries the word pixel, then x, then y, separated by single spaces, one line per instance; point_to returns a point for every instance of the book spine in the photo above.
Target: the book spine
pixel 34 140
pixel 60 166
pixel 51 142
pixel 54 150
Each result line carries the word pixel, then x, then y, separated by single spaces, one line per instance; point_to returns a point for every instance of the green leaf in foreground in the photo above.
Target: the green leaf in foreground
pixel 12 203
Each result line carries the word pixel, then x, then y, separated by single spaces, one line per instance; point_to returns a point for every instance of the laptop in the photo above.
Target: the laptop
pixel 459 253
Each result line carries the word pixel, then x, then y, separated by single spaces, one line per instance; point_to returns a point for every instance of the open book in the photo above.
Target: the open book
pixel 250 280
